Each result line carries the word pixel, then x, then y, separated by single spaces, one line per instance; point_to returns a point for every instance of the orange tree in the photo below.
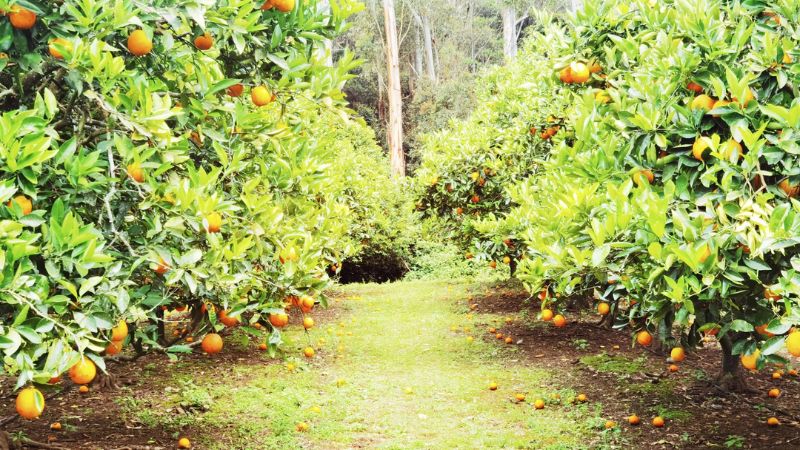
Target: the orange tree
pixel 167 156
pixel 670 192
pixel 466 170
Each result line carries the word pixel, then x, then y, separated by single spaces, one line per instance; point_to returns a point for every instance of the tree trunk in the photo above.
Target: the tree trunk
pixel 427 37
pixel 509 15
pixel 394 128
pixel 512 266
pixel 418 52
pixel 731 377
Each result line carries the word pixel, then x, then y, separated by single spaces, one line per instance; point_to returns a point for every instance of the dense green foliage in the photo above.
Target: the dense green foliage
pixel 711 242
pixel 154 186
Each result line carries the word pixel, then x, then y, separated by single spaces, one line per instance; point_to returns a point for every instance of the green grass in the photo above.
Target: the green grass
pixel 619 365
pixel 392 375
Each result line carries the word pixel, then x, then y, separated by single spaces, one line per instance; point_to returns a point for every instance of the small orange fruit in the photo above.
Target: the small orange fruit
pixel 677 354
pixel 204 42
pixel 750 361
pixel 789 189
pixel 83 372
pixel 547 315
pixel 538 403
pixel 119 332
pixel 644 338
pixel 214 221
pixel 519 397
pixel 114 347
pixel 774 393
pixel 212 343
pixel 262 346
pixel 308 352
pixel 57 43
pixel 21 18
pixel 499 336
pixel 135 172
pixel 492 330
pixel 24 203
pixel 283 6
pixel 55 426
pixel 703 102
pixel 580 72
pixel 162 267
pixel 509 340
pixel 565 75
pixel 30 403
pixel 673 368
pixel 698 148
pixel 492 386
pixel 634 420
pixel 260 95
pixel 139 44
pixel 776 375
pixel 603 308
pixel 610 424
pixel 227 320
pixel 559 321
pixel 644 176
pixel 184 443
pixel 658 421
pixel 581 398
pixel 308 322
pixel 84 389
pixel 236 90
pixel 302 427
pixel 694 87
pixel 278 320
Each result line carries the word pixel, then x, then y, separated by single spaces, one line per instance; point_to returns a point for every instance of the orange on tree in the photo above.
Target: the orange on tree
pixel 113 348
pixel 24 204
pixel 204 41
pixel 677 354
pixel 644 176
pixel 730 147
pixel 56 44
pixel 547 315
pixel 119 332
pixel 30 403
pixel 308 322
pixel 789 189
pixel 703 102
pixel 22 18
pixel 559 321
pixel 579 72
pixel 644 338
pixel 748 97
pixel 212 343
pixel 750 361
pixel 236 90
pixel 699 148
pixel 694 87
pixel 261 96
pixel 139 44
pixel 83 371
pixel 719 104
pixel 565 75
pixel 135 172
pixel 603 308
pixel 792 343
pixel 227 320
pixel 213 222
pixel 278 320
pixel 762 330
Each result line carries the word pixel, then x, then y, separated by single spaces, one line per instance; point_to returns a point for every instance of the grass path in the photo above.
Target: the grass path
pixel 393 374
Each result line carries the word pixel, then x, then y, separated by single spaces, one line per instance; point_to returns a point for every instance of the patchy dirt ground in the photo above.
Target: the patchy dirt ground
pixel 629 379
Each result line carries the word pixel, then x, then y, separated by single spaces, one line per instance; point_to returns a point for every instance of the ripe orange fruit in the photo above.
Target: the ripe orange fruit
pixel 729 147
pixel 21 18
pixel 119 332
pixel 204 42
pixel 773 422
pixel 55 426
pixel 703 102
pixel 581 398
pixel 793 343
pixel 673 368
pixel 559 321
pixel 267 5
pixel 792 372
pixel 57 379
pixel 769 294
pixel 184 443
pixel 307 303
pixel 762 330
pixel 634 420
pixel 30 403
pixel 236 90
pixel 139 44
pixel 642 175
pixel 644 338
pixel 212 343
pixel 677 354
pixel 83 389
pixel 698 148
pixel 565 75
pixel 580 72
pixel 308 352
pixel 83 372
pixel 520 397
pixel 283 6
pixel 59 42
pixel 506 260
pixel 24 203
pixel 135 172
pixel 493 264
pixel 719 104
pixel 774 393
pixel 748 97
pixel 694 87
pixel 226 320
pixel 492 330
pixel 262 346
pixel 260 95
pixel 594 67
pixel 475 199
pixel 302 427
pixel 610 424
pixel 162 267
pixel 750 361
pixel 705 253
pixel 493 386
pixel 776 375
pixel 547 315
pixel 538 403
pixel 214 221
pixel 308 322
pixel 658 421
pixel 114 347
pixel 603 308
pixel 499 336
pixel 278 320
pixel 509 340
pixel 190 339
pixel 788 188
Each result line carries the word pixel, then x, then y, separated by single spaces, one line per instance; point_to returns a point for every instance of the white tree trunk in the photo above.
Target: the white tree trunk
pixel 418 52
pixel 509 15
pixel 394 128
pixel 427 36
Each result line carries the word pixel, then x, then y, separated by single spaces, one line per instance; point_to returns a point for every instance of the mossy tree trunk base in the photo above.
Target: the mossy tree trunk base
pixel 732 377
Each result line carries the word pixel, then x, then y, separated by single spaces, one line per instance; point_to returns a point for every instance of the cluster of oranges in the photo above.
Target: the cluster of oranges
pixel 30 402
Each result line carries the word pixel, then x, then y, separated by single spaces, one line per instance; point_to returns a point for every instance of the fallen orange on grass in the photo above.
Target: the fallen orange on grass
pixel 658 421
pixel 212 343
pixel 644 338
